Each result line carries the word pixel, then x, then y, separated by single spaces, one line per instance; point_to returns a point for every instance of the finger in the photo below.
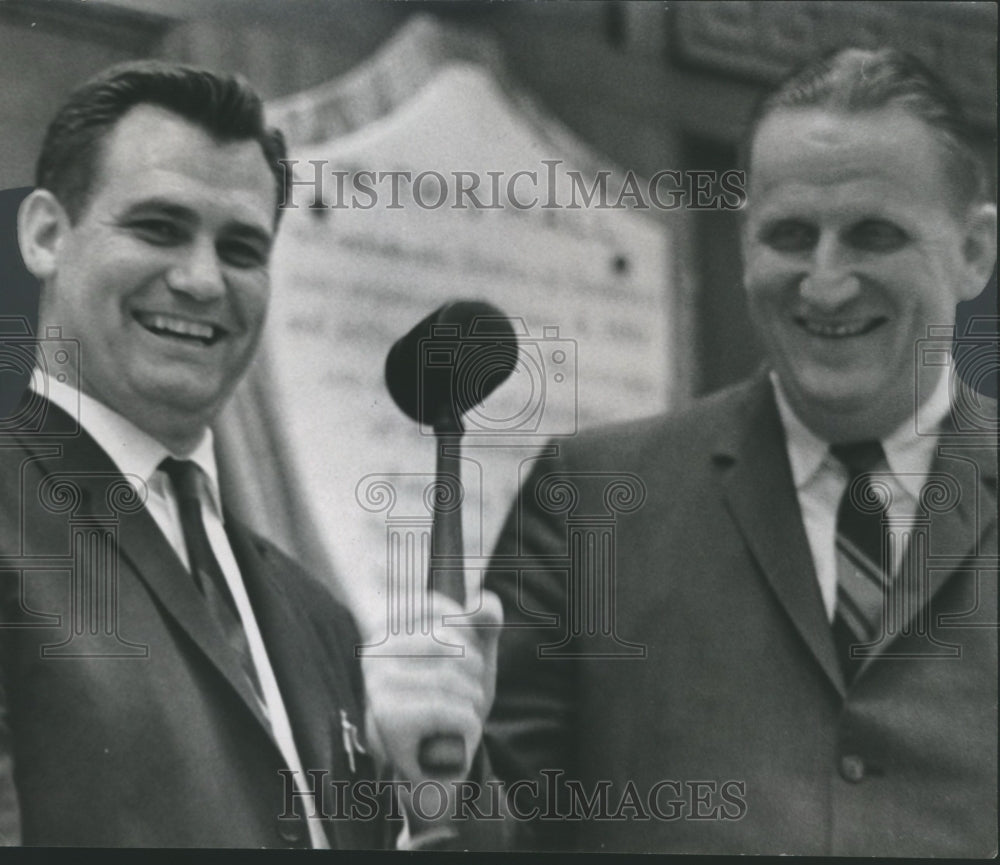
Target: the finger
pixel 442 606
pixel 490 611
pixel 417 674
pixel 441 703
pixel 403 738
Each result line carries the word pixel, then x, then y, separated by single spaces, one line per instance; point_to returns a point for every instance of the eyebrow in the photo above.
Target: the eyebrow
pixel 172 209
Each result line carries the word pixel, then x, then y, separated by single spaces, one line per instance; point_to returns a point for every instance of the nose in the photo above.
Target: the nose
pixel 830 280
pixel 199 274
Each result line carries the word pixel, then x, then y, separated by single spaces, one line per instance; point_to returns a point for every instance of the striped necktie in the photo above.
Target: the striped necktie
pixel 861 554
pixel 205 567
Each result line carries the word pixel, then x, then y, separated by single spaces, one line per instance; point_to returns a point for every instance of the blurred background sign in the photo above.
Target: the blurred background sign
pixel 359 261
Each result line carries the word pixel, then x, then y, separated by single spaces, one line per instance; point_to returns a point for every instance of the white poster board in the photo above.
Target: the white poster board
pixel 588 288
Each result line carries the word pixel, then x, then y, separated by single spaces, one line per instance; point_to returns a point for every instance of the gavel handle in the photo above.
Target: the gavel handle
pixel 443 754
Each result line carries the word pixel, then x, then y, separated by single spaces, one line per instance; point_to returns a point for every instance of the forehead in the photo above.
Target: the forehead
pixel 885 155
pixel 153 153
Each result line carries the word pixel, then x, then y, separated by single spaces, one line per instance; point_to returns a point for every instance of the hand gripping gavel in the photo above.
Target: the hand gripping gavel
pixel 446 365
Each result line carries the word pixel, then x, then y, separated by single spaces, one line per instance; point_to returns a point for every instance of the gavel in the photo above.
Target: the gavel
pixel 447 364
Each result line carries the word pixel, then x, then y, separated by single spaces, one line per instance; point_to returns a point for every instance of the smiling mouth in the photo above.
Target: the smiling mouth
pixel 172 327
pixel 840 329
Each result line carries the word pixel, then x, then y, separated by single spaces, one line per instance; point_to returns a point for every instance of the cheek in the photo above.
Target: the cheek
pixel 768 276
pixel 911 280
pixel 251 298
pixel 942 277
pixel 81 301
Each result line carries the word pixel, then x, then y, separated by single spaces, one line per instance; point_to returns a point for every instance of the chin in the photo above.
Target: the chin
pixel 841 413
pixel 186 399
pixel 857 419
pixel 833 388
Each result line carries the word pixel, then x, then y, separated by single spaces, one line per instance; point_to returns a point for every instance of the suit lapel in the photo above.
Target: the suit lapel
pixel 289 647
pixel 141 544
pixel 312 688
pixel 959 510
pixel 760 494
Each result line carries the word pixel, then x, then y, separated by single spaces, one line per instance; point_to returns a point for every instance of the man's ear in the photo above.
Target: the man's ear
pixel 42 223
pixel 979 249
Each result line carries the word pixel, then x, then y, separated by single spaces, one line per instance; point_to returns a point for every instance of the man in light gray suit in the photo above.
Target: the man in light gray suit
pixel 810 585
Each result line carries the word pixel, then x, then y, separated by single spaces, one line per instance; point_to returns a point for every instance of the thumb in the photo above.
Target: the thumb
pixel 487 623
pixel 489 614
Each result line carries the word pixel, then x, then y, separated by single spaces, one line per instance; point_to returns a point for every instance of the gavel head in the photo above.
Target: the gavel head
pixel 450 362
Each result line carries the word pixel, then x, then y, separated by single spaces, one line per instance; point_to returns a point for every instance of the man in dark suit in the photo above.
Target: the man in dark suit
pixel 703 651
pixel 166 676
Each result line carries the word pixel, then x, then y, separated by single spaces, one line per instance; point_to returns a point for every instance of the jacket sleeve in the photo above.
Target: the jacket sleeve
pixel 10 810
pixel 530 733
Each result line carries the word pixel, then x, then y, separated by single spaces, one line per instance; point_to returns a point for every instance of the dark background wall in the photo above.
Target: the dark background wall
pixel 650 85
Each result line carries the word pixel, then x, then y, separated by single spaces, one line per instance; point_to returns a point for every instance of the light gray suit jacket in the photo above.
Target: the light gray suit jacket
pixel 735 682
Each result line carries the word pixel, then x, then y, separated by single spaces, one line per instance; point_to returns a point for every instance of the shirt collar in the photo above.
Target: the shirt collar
pixel 135 453
pixel 909 453
pixel 806 450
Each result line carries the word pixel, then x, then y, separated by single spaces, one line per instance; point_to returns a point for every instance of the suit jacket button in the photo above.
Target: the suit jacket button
pixel 852 768
pixel 291 831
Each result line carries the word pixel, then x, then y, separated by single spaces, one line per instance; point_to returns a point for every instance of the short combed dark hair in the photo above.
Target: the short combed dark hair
pixel 855 80
pixel 225 106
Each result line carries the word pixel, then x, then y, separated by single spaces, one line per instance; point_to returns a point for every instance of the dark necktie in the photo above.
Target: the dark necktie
pixel 205 568
pixel 861 552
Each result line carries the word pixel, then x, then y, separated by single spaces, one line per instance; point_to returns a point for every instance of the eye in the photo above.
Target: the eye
pixel 160 232
pixel 790 235
pixel 243 254
pixel 877 235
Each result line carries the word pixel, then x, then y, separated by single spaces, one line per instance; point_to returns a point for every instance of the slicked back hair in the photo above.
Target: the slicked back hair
pixel 856 80
pixel 225 106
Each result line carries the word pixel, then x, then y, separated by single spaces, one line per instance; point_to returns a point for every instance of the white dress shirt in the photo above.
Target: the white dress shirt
pixel 820 478
pixel 137 456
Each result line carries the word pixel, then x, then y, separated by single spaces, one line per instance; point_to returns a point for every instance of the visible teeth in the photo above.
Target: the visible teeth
pixel 851 328
pixel 179 326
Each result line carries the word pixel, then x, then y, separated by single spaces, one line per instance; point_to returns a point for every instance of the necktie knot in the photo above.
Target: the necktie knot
pixel 183 475
pixel 859 457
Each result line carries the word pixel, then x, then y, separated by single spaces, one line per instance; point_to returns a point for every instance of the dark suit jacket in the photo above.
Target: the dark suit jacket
pixel 718 695
pixel 124 719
